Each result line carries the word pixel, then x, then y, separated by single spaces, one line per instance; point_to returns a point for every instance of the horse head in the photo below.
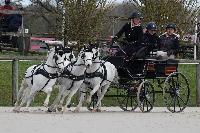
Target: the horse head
pixel 86 55
pixel 60 55
pixel 69 56
pixel 95 50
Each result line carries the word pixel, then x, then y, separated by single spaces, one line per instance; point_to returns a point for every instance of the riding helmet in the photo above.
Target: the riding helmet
pixel 136 15
pixel 151 26
pixel 171 25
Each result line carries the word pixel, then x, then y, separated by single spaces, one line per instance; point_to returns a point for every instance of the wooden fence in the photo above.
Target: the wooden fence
pixel 15 60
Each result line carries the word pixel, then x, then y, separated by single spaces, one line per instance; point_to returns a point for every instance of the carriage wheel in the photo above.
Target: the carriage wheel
pixel 146 96
pixel 176 92
pixel 90 106
pixel 127 97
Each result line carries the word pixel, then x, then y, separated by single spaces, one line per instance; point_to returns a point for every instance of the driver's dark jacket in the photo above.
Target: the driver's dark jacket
pixel 170 44
pixel 132 34
pixel 133 38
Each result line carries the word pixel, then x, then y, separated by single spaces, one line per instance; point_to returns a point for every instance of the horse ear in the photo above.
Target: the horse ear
pixel 84 46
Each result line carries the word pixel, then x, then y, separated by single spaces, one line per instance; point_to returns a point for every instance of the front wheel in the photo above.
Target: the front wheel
pixel 127 96
pixel 146 96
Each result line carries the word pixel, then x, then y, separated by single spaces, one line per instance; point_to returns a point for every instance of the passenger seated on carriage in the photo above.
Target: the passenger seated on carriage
pixel 133 35
pixel 169 41
pixel 150 39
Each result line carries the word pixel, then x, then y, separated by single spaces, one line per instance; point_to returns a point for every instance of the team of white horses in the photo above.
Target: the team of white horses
pixel 86 72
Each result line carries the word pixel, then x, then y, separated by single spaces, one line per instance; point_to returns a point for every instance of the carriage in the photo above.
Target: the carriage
pixel 141 79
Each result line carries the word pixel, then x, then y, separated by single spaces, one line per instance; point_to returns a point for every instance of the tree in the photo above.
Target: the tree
pixel 84 19
pixel 181 12
pixel 76 20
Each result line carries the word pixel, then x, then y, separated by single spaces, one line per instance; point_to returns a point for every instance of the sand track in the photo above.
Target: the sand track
pixel 113 120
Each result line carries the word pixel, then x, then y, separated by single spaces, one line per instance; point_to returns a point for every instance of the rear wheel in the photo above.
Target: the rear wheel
pixel 146 96
pixel 176 92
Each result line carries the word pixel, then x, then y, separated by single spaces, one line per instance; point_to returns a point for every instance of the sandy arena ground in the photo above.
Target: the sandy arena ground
pixel 111 120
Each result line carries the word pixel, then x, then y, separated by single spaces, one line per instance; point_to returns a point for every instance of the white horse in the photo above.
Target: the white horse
pixel 72 78
pixel 98 78
pixel 43 76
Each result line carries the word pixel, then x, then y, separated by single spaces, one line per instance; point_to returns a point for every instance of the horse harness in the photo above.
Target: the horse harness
pixel 97 73
pixel 43 72
pixel 68 74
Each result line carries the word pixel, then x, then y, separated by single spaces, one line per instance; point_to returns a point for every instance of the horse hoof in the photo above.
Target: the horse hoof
pixel 48 110
pixel 59 109
pixel 98 110
pixel 16 110
pixel 94 110
pixel 51 110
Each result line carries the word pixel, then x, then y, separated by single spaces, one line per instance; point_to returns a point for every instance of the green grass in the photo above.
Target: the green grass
pixel 6 85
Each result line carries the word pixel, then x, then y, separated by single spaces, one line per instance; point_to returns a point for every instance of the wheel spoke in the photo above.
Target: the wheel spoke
pixel 127 101
pixel 174 103
pixel 176 92
pixel 131 102
pixel 178 103
pixel 143 104
pixel 126 98
pixel 181 100
pixel 151 106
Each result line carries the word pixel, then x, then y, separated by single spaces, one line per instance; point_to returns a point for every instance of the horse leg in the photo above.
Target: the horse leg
pixel 71 94
pixel 46 102
pixel 64 95
pixel 30 98
pixel 53 107
pixel 103 91
pixel 99 94
pixel 81 99
pixel 92 93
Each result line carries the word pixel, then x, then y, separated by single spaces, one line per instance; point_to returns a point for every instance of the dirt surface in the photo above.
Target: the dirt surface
pixel 111 120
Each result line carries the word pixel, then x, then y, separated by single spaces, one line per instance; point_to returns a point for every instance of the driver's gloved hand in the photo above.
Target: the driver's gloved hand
pixel 114 39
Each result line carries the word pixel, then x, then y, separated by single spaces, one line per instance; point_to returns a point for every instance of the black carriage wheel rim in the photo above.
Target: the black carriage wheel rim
pixel 176 91
pixel 146 96
pixel 127 101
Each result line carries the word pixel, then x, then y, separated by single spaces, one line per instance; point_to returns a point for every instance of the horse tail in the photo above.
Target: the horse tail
pixel 20 94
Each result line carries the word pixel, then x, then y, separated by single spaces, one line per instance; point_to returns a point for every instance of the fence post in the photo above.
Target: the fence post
pixel 198 85
pixel 14 80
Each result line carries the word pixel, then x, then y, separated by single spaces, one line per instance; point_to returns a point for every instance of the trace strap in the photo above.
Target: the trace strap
pixel 43 72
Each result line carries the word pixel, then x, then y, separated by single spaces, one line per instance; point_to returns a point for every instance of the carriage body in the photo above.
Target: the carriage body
pixel 136 87
pixel 143 68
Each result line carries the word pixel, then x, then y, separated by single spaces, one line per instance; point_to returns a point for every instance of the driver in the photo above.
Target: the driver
pixel 133 34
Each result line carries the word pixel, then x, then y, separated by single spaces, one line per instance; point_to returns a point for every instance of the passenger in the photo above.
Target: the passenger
pixel 150 38
pixel 169 41
pixel 133 32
